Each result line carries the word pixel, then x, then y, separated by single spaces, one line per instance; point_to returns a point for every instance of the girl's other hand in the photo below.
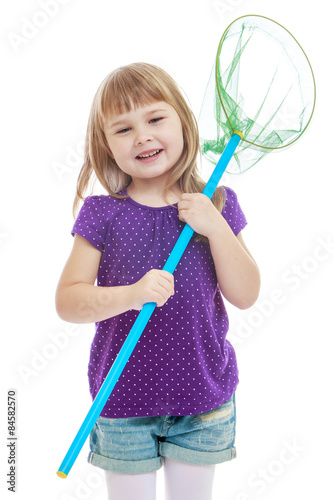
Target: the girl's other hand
pixel 197 210
pixel 155 286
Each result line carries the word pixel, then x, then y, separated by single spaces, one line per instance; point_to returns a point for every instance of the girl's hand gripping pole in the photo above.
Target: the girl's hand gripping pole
pixel 142 319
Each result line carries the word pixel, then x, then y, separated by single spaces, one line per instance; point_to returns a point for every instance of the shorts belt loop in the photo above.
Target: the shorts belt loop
pixel 167 423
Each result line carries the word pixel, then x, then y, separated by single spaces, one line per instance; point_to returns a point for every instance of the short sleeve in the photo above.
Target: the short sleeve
pixel 90 222
pixel 232 211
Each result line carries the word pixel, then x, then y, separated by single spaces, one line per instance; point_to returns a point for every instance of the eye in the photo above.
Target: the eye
pixel 156 120
pixel 123 130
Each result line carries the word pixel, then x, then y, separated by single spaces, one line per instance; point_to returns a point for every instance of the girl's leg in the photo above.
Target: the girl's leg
pixel 131 486
pixel 187 481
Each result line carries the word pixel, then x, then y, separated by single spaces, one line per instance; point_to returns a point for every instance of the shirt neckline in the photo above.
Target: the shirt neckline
pixel 140 205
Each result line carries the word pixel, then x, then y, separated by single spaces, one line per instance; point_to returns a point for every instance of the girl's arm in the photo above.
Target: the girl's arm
pixel 237 273
pixel 79 300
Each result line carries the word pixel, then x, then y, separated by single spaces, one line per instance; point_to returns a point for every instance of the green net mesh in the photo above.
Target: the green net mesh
pixel 262 84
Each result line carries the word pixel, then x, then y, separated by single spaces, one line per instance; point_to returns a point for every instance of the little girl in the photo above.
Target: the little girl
pixel 174 403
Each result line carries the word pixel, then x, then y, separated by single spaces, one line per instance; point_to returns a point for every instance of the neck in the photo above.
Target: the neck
pixel 152 193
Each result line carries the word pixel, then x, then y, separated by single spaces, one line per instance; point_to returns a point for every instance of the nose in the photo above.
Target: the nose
pixel 143 135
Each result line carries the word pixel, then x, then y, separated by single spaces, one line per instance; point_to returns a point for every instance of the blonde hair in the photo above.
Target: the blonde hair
pixel 130 86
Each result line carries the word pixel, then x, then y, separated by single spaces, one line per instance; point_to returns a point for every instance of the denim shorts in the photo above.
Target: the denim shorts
pixel 137 445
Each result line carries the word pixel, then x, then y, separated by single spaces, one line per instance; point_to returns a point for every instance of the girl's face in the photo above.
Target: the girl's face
pixel 147 141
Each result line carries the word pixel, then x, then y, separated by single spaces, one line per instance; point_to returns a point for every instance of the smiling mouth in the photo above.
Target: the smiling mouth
pixel 150 155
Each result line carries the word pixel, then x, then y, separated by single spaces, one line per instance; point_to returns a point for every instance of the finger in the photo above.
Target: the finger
pixel 185 212
pixel 163 281
pixel 157 274
pixel 161 297
pixel 168 276
pixel 184 205
pixel 182 215
pixel 187 196
pixel 166 287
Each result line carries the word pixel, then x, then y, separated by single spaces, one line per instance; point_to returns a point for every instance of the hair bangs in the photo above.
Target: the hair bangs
pixel 126 89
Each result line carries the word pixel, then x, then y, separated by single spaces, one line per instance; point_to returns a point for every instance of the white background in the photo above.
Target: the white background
pixel 283 346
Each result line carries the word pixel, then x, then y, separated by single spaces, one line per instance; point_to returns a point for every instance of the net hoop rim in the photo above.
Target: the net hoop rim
pixel 307 59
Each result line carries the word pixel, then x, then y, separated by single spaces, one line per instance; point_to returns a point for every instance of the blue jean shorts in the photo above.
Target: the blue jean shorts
pixel 137 445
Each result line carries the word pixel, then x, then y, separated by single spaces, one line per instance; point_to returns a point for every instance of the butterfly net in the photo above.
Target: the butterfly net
pixel 262 84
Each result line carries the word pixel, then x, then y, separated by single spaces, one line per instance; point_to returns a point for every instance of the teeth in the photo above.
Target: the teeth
pixel 150 154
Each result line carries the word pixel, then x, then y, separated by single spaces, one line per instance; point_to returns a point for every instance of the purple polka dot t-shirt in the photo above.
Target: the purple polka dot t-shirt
pixel 182 363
